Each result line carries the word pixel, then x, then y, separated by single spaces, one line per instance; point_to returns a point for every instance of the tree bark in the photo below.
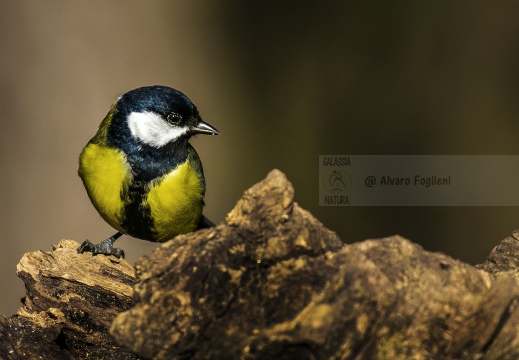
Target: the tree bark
pixel 269 282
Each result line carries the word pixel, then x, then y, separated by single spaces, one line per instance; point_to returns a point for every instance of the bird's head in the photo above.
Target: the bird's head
pixel 159 115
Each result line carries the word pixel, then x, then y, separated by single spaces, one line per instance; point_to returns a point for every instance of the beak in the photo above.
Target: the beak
pixel 204 128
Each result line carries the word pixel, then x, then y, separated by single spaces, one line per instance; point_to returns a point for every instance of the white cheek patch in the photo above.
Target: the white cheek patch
pixel 152 129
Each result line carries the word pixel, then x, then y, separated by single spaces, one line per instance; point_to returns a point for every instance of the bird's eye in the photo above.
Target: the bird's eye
pixel 174 118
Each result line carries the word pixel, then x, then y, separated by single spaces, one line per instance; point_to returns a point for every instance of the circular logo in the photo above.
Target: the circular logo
pixel 336 181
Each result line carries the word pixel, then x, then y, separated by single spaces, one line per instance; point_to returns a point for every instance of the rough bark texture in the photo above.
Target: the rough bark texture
pixel 270 282
pixel 71 301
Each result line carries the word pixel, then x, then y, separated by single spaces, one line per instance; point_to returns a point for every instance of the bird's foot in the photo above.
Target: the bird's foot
pixel 104 247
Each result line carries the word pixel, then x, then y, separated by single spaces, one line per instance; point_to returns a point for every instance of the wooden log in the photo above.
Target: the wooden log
pixel 71 300
pixel 269 282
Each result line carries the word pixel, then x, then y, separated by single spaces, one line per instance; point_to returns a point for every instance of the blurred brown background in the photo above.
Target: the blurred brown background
pixel 283 84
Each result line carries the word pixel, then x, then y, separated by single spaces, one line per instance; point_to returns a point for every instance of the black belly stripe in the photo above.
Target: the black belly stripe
pixel 137 220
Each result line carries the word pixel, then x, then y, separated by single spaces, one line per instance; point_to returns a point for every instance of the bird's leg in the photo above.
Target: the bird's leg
pixel 105 247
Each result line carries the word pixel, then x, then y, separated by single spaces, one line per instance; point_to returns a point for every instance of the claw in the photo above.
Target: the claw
pixel 86 246
pixel 104 247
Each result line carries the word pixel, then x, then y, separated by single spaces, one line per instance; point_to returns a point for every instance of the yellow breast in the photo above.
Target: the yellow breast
pixel 105 172
pixel 176 202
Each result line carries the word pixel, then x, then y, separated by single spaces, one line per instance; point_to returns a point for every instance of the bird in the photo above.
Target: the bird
pixel 140 171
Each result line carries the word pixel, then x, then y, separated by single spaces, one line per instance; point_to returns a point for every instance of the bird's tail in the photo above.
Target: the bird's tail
pixel 205 223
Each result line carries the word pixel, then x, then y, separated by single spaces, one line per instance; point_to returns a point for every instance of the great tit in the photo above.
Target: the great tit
pixel 140 171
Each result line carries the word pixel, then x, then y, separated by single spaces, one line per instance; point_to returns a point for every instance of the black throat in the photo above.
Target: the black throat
pixel 147 162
